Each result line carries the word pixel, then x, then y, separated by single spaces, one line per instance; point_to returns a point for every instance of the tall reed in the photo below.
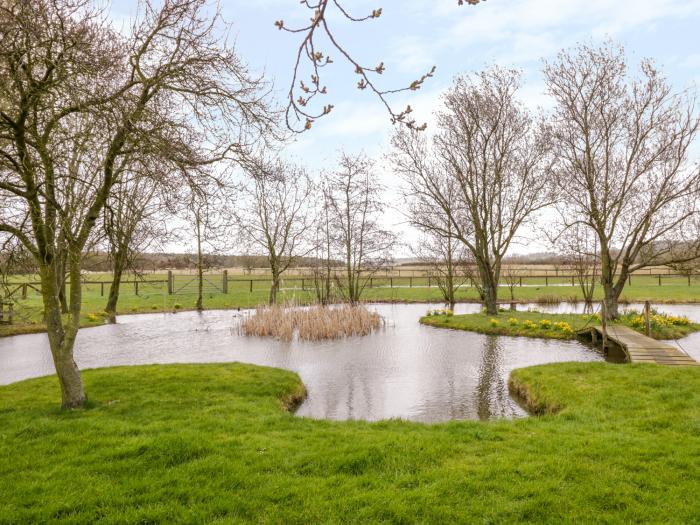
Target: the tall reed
pixel 312 323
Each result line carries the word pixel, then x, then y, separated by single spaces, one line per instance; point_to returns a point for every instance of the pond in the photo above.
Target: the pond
pixel 405 370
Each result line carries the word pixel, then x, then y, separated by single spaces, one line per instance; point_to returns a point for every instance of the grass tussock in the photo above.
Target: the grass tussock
pixel 549 299
pixel 314 323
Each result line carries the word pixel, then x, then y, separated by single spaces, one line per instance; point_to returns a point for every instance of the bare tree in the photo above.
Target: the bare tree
pixel 438 247
pixel 302 94
pixel 134 220
pixel 621 154
pixel 248 264
pixel 322 266
pixel 512 277
pixel 275 217
pixel 63 69
pixel 686 260
pixel 486 170
pixel 198 208
pixel 579 245
pixel 355 208
pixel 446 259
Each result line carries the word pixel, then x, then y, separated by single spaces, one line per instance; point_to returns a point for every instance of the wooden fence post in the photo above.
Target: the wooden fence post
pixel 102 289
pixel 136 287
pixel 224 282
pixel 251 286
pixel 604 324
pixel 24 291
pixel 659 279
pixel 521 282
pixel 170 282
pixel 647 318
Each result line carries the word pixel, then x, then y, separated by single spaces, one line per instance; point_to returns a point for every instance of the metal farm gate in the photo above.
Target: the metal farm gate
pixel 188 284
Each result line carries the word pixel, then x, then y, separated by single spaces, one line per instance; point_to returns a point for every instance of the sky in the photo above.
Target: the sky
pixel 413 35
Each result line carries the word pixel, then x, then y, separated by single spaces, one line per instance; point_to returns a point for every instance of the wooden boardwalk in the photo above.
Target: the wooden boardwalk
pixel 640 348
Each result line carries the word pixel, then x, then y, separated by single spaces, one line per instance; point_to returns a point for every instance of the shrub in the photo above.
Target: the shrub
pixel 564 327
pixel 548 299
pixel 445 311
pixel 529 324
pixel 546 324
pixel 312 324
pixel 177 306
pixel 494 322
pixel 656 320
pixel 513 321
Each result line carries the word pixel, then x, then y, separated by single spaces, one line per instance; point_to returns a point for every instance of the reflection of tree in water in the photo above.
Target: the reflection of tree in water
pixel 353 396
pixel 492 397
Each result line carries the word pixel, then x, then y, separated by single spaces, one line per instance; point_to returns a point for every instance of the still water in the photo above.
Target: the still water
pixel 405 370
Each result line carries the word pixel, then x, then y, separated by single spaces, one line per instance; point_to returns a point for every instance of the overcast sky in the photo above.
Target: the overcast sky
pixel 413 35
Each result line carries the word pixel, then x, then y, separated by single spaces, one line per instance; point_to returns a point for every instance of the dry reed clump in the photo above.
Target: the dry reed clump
pixel 310 324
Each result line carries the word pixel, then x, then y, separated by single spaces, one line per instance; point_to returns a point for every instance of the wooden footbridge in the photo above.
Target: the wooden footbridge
pixel 640 348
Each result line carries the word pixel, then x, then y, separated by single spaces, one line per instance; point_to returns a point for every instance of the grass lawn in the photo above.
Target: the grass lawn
pixel 555 326
pixel 154 298
pixel 213 444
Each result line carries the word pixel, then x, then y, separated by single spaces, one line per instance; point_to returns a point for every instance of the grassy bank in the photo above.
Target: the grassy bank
pixel 556 326
pixel 213 444
pixel 154 298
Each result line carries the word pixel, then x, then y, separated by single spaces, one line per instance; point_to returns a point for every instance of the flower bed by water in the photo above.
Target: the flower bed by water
pixel 556 326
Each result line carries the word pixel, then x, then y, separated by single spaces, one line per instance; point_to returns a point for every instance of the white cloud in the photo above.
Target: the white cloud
pixel 513 23
pixel 412 54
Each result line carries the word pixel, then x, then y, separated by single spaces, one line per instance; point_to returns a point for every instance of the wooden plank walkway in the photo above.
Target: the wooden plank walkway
pixel 640 348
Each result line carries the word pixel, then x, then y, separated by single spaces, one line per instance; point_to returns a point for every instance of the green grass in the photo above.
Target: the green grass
pixel 154 298
pixel 213 444
pixel 529 324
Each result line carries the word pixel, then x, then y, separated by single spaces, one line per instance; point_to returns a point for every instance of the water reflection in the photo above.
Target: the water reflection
pixel 491 394
pixel 405 370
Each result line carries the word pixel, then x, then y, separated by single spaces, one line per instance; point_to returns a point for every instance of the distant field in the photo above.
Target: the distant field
pixel 253 291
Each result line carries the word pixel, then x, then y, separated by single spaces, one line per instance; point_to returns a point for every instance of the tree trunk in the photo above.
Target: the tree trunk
pixel 611 291
pixel 449 278
pixel 273 289
pixel 491 299
pixel 611 304
pixel 61 280
pixel 62 338
pixel 113 297
pixel 200 270
pixel 62 293
pixel 489 289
